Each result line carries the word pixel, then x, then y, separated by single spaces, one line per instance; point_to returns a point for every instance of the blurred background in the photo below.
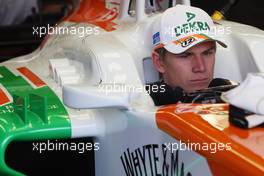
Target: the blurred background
pixel 19 17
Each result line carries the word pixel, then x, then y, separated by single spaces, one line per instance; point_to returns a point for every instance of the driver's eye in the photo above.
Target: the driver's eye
pixel 185 55
pixel 207 53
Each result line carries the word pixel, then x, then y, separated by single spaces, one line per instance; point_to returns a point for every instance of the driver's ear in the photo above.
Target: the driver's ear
pixel 158 62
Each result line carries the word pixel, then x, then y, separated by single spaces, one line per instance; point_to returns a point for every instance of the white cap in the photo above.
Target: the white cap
pixel 181 27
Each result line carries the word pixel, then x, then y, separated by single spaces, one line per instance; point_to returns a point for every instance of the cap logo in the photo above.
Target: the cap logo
pixel 190 16
pixel 187 42
pixel 191 26
pixel 156 38
pixel 195 26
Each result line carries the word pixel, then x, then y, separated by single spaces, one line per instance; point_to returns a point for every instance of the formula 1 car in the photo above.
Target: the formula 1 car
pixel 78 84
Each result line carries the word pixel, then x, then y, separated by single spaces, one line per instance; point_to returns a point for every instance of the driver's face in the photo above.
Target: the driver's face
pixel 192 69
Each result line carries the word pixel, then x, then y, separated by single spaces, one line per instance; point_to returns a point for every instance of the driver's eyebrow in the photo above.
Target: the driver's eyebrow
pixel 186 53
pixel 208 50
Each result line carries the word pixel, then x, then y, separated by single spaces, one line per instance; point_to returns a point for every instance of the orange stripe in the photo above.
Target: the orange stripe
pixel 246 156
pixel 199 36
pixel 161 45
pixel 31 76
pixel 177 42
pixel 3 98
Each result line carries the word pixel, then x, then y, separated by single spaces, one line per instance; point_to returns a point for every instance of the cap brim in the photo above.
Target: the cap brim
pixel 177 48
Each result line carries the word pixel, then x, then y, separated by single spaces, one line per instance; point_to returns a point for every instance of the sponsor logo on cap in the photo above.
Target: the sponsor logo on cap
pixel 190 16
pixel 194 26
pixel 156 38
pixel 187 41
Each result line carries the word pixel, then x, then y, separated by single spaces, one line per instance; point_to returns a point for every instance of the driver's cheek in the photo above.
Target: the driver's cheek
pixel 185 76
pixel 180 73
pixel 177 74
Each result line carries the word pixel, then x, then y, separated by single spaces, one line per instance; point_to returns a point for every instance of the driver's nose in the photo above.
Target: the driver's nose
pixel 198 64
